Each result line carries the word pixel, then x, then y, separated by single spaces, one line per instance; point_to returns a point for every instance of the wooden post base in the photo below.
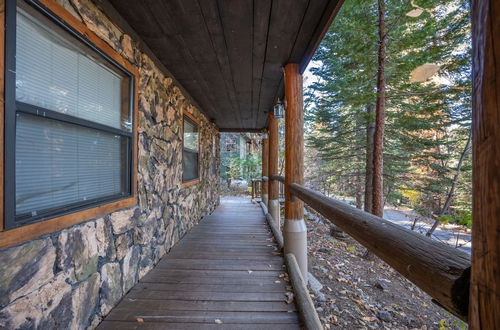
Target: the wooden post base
pixel 265 199
pixel 295 237
pixel 274 210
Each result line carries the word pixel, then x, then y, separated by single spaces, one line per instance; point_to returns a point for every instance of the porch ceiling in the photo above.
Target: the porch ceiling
pixel 228 54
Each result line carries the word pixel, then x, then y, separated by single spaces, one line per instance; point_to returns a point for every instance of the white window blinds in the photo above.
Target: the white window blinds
pixel 62 164
pixel 59 164
pixel 55 73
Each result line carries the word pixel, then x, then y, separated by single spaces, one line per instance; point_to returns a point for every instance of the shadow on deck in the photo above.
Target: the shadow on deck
pixel 223 274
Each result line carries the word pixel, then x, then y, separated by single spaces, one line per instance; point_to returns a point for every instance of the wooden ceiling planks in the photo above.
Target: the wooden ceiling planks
pixel 281 38
pixel 237 23
pixel 261 20
pixel 228 54
pixel 188 40
pixel 211 13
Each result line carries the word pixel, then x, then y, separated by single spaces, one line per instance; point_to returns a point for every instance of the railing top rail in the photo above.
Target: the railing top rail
pixel 276 177
pixel 440 270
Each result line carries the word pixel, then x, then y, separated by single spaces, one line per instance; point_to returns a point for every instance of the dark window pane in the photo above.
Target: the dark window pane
pixel 59 164
pixel 214 155
pixel 190 135
pixel 190 151
pixel 189 165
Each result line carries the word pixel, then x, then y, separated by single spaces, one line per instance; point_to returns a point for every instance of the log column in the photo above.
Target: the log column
pixel 274 202
pixel 265 166
pixel 484 304
pixel 295 231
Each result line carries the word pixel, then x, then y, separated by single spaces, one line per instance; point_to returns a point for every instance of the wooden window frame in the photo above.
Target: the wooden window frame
pixel 31 231
pixel 214 154
pixel 197 123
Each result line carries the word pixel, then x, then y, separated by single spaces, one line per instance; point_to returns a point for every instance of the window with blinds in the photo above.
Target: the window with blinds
pixel 70 105
pixel 190 166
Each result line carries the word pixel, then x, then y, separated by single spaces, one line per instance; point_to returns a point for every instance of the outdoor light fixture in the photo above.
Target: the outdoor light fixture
pixel 279 109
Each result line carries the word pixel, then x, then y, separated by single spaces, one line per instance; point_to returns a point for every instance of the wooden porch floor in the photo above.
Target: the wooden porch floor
pixel 224 274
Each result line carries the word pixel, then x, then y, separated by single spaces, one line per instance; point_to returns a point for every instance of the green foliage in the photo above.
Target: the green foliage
pixel 444 324
pixel 427 123
pixel 447 218
pixel 247 168
pixel 463 218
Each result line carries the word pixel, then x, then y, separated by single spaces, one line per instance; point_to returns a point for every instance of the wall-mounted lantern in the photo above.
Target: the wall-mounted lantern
pixel 279 109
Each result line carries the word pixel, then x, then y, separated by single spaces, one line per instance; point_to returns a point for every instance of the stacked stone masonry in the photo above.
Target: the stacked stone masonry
pixel 71 279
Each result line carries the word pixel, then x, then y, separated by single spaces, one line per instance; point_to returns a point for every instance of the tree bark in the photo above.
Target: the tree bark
pixel 484 309
pixel 451 192
pixel 377 198
pixel 378 140
pixel 359 190
pixel 370 130
pixel 294 228
pixel 359 162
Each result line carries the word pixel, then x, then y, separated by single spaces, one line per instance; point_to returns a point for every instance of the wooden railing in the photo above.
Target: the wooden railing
pixel 256 187
pixel 438 269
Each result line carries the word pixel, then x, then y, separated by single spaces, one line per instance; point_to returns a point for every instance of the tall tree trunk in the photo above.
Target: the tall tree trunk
pixel 451 192
pixel 359 189
pixel 370 130
pixel 377 200
pixel 378 143
pixel 359 162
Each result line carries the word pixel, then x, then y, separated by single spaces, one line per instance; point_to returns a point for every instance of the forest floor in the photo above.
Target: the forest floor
pixel 234 190
pixel 454 235
pixel 361 294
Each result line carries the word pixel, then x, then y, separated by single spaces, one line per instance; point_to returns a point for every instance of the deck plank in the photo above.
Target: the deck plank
pixel 204 287
pixel 113 325
pixel 205 317
pixel 227 268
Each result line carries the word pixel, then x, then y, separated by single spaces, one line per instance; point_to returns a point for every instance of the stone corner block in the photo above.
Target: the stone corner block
pixel 25 268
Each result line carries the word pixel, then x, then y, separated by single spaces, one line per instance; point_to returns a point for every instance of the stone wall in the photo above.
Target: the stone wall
pixel 72 278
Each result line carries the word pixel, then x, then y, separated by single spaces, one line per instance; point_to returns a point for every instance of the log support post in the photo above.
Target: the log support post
pixel 484 303
pixel 274 202
pixel 295 230
pixel 253 189
pixel 265 158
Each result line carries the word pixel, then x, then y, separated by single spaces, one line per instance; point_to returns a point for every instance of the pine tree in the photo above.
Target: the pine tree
pixel 426 121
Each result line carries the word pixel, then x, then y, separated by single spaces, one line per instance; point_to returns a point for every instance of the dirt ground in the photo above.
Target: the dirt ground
pixel 233 190
pixel 362 294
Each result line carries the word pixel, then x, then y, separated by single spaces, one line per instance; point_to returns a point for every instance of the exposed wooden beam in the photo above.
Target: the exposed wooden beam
pixel 241 130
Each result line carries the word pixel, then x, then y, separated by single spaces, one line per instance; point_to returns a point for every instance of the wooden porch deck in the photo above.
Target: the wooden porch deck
pixel 224 274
